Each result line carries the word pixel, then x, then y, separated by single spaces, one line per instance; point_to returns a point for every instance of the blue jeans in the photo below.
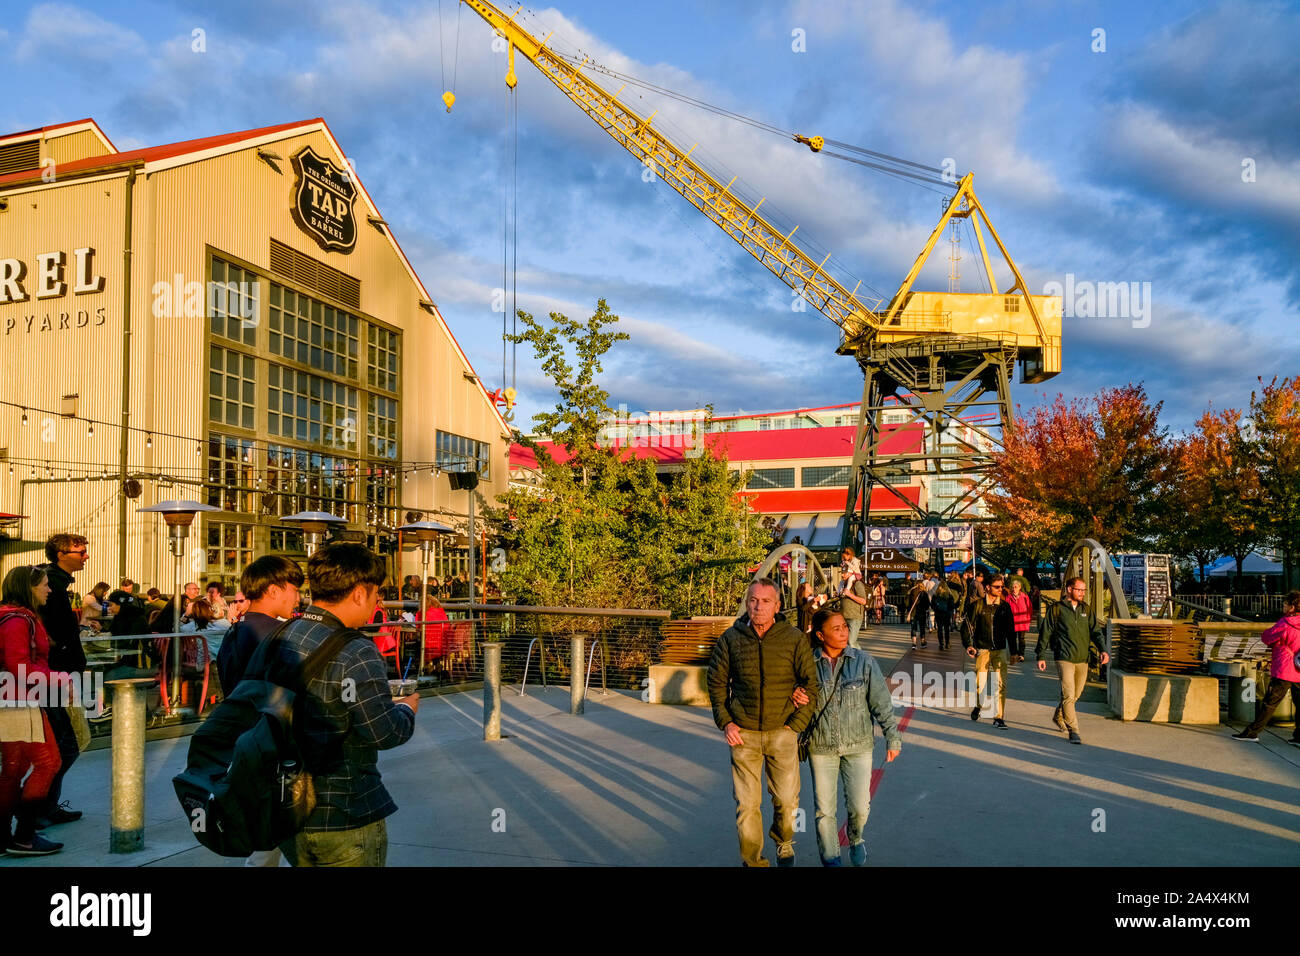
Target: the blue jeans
pixel 855 625
pixel 829 771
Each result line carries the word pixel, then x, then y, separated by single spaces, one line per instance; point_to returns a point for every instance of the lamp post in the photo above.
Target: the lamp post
pixel 425 532
pixel 314 525
pixel 179 515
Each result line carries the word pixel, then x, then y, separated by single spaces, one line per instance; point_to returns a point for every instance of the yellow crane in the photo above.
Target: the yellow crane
pixel 938 354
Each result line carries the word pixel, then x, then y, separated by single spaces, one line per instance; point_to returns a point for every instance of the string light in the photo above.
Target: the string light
pixel 24 416
pixel 148 442
pixel 90 430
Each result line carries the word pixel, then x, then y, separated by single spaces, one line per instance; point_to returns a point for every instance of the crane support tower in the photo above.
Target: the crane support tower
pixel 946 358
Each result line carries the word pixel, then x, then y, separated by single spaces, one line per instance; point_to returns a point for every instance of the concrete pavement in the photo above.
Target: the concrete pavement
pixel 632 784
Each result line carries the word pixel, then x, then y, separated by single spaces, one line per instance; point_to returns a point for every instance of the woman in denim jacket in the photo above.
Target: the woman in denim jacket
pixel 853 693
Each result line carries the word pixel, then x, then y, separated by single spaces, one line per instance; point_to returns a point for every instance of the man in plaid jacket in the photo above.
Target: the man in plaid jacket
pixel 345 716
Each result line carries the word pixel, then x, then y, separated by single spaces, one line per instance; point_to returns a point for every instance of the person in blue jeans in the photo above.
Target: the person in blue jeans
pixel 852 695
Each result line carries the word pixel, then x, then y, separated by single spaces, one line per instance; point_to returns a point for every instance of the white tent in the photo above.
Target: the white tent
pixel 1255 563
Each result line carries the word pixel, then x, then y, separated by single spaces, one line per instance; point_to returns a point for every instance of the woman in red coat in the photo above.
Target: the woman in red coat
pixel 26 741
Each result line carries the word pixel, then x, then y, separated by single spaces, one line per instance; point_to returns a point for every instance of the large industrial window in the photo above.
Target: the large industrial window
pixel 381 359
pixel 821 476
pixel 231 466
pixel 312 409
pixel 229 551
pixel 232 388
pixel 309 481
pixel 313 333
pixel 771 478
pixel 381 427
pixel 381 496
pixel 288 541
pixel 233 308
pixel 458 453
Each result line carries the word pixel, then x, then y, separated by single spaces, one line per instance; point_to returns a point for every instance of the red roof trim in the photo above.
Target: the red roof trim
pixel 168 151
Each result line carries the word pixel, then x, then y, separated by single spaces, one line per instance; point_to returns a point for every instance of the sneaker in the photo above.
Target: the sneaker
pixel 38 847
pixel 858 854
pixel 1075 738
pixel 834 862
pixel 787 860
pixel 60 814
pixel 999 723
pixel 1245 736
pixel 1060 722
pixel 975 713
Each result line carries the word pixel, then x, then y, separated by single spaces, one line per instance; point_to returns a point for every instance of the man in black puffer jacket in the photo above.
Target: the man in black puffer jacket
pixel 756 666
pixel 987 633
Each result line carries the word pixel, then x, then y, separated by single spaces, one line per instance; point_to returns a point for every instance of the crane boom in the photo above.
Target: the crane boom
pixel 938 358
pixel 777 251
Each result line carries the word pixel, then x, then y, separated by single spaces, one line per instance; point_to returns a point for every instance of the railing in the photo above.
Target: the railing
pixel 1244 607
pixel 627 640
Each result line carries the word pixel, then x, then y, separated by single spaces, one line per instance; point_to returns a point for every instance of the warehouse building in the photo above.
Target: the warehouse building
pixel 231 320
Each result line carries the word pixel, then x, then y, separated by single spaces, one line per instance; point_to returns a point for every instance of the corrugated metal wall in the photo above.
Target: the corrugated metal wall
pixel 234 205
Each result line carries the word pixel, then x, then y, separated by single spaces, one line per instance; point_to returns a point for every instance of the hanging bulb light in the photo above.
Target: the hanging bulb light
pixel 148 441
pixel 24 416
pixel 198 449
pixel 90 430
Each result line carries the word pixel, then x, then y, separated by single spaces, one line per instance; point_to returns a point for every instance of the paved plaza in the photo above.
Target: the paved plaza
pixel 634 784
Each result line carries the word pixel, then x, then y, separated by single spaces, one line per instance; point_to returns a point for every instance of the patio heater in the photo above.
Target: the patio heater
pixel 179 515
pixel 314 525
pixel 425 532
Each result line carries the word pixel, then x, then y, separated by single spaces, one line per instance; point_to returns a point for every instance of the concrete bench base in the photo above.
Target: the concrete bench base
pixel 679 684
pixel 1164 699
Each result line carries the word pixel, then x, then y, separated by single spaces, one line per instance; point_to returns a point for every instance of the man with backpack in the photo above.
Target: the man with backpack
pixel 345 714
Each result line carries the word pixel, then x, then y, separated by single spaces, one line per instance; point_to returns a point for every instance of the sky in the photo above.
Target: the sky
pixel 1153 144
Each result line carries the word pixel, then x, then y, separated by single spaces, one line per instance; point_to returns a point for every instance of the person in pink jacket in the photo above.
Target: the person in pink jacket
pixel 1284 638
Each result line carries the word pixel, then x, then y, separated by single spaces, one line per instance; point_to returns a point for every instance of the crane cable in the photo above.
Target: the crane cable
pixel 510 239
pixel 585 61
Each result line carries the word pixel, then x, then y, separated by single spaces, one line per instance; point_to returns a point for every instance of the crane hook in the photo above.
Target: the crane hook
pixel 814 143
pixel 449 98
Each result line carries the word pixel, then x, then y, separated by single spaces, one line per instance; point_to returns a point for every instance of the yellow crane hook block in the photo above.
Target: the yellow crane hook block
pixel 449 98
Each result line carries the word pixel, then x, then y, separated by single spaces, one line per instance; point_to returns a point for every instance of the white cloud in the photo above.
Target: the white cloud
pixel 57 30
pixel 943 99
pixel 1206 169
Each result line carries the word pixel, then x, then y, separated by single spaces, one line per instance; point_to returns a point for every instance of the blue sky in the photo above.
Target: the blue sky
pixel 1115 166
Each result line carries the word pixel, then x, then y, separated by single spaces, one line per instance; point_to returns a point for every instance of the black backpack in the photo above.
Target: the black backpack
pixel 245 787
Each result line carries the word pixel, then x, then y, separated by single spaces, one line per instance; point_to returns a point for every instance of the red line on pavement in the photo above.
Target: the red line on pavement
pixel 877 773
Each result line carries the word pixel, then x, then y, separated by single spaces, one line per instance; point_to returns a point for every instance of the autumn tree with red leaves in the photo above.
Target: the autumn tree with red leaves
pixel 1274 446
pixel 1097 468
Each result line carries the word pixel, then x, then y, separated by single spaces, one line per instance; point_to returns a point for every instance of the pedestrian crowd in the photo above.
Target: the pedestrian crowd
pixel 46 629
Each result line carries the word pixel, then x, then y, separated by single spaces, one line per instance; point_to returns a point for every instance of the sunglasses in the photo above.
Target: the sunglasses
pixel 996 587
pixel 83 552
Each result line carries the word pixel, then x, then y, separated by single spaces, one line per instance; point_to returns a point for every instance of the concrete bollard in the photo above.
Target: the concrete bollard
pixel 577 673
pixel 126 833
pixel 492 691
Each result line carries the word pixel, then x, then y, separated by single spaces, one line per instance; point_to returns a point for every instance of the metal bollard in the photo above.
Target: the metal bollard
pixel 126 833
pixel 577 686
pixel 492 691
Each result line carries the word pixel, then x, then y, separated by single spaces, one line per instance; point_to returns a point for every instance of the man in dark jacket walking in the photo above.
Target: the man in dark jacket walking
pixel 1068 628
pixel 989 629
pixel 67 555
pixel 756 666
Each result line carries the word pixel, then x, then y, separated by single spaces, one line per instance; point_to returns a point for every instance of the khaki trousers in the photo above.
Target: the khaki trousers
pixel 996 661
pixel 775 751
pixel 1074 678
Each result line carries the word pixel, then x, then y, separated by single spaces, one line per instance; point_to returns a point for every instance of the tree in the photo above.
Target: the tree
pixel 1228 486
pixel 1274 447
pixel 606 530
pixel 1096 468
pixel 1188 527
